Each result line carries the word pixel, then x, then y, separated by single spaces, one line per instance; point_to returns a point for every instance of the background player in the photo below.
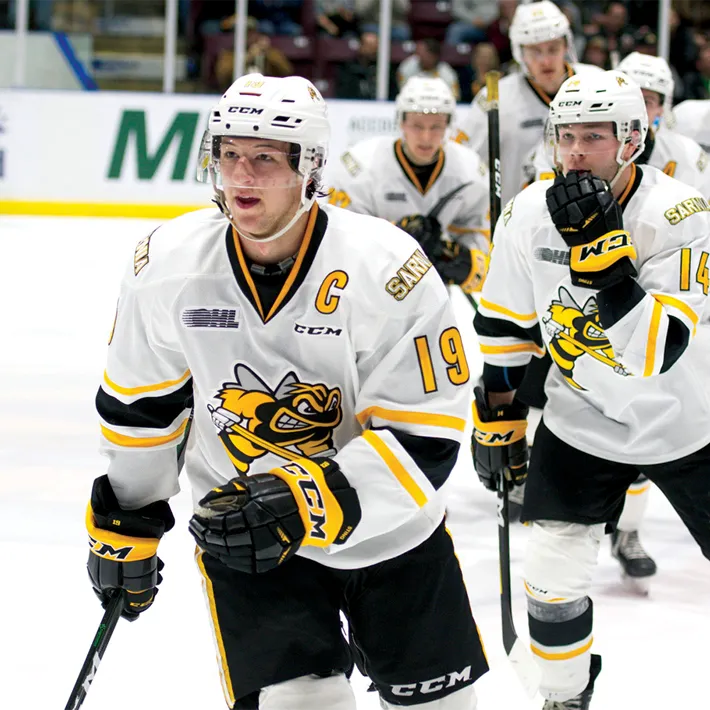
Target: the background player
pixel 543 46
pixel 435 190
pixel 692 119
pixel 607 267
pixel 328 410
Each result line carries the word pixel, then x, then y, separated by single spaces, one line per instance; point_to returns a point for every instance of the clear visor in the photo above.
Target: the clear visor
pixel 582 139
pixel 248 163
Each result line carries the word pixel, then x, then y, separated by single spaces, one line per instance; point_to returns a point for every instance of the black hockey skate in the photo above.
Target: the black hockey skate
pixel 581 701
pixel 638 566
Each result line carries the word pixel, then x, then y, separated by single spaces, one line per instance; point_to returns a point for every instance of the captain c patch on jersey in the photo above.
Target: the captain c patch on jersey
pixel 292 419
pixel 575 331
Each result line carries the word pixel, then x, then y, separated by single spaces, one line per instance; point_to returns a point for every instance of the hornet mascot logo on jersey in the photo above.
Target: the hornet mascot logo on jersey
pixel 295 418
pixel 576 331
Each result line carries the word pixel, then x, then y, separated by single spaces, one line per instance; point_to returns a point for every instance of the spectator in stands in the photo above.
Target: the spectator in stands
pixel 697 83
pixel 596 53
pixel 358 79
pixel 484 57
pixel 499 28
pixel 277 17
pixel 337 17
pixel 613 25
pixel 368 15
pixel 684 48
pixel 426 61
pixel 471 20
pixel 260 57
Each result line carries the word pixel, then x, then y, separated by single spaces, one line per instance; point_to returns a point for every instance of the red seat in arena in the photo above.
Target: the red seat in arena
pixel 429 18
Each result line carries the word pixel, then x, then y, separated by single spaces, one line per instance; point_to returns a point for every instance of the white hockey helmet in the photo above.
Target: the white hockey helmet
pixel 288 109
pixel 599 97
pixel 422 94
pixel 538 22
pixel 652 73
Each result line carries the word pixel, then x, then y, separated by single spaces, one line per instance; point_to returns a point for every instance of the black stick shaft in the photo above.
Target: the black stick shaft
pixel 506 601
pixel 96 652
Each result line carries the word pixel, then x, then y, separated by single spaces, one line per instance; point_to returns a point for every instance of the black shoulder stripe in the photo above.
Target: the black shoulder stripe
pixel 677 340
pixel 435 457
pixel 148 412
pixel 499 328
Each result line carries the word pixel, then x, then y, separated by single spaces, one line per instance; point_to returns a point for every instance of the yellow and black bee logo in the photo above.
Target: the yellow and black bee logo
pixel 294 419
pixel 576 331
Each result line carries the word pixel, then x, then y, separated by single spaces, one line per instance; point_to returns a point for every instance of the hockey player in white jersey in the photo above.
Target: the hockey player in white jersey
pixel 606 267
pixel 692 119
pixel 435 190
pixel 318 353
pixel 668 150
pixel 680 157
pixel 543 46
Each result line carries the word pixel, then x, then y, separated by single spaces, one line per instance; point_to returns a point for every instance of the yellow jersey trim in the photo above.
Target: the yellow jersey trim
pixel 130 391
pixel 143 442
pixel 394 465
pixel 652 339
pixel 507 312
pixel 395 415
pixel 520 348
pixel 684 308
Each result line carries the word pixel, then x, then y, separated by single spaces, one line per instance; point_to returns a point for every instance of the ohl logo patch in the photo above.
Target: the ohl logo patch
pixel 295 418
pixel 575 331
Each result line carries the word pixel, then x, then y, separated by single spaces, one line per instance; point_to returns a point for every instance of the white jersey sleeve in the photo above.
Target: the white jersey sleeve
pixel 145 398
pixel 506 322
pixel 351 179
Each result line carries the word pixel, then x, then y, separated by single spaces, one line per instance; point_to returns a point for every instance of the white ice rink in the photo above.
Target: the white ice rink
pixel 58 286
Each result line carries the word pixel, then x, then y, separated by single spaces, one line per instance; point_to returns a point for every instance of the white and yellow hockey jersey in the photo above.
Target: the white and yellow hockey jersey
pixel 637 389
pixel 692 119
pixel 357 358
pixel 674 154
pixel 523 110
pixel 374 177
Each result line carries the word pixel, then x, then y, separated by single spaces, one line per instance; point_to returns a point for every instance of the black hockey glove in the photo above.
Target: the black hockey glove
pixel 426 230
pixel 589 218
pixel 499 443
pixel 124 546
pixel 460 266
pixel 255 523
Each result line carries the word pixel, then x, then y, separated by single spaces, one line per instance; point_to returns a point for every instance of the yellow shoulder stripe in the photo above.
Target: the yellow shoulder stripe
pixel 394 465
pixel 507 312
pixel 425 418
pixel 142 442
pixel 684 308
pixel 129 391
pixel 519 348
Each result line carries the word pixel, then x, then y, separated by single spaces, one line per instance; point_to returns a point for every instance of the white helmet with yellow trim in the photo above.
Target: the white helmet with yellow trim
pixel 423 94
pixel 288 109
pixel 537 22
pixel 599 97
pixel 652 73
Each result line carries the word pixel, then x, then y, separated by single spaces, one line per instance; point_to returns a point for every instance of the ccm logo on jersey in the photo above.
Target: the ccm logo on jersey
pixel 686 208
pixel 434 685
pixel 408 275
pixel 316 329
pixel 245 109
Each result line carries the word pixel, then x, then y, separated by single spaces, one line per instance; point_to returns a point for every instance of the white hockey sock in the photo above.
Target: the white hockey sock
pixel 635 505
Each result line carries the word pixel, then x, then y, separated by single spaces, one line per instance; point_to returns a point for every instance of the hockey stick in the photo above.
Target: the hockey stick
pixel 523 663
pixel 96 652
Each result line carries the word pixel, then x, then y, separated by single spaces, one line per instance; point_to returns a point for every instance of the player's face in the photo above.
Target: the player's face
pixel 546 63
pixel 262 191
pixel 588 146
pixel 424 135
pixel 654 105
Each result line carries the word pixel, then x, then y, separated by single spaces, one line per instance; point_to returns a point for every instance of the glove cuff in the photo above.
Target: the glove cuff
pixel 320 488
pixel 603 252
pixel 479 269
